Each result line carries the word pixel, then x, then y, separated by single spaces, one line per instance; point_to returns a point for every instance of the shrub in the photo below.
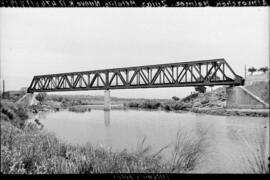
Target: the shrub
pixel 264 69
pixel 79 109
pixel 149 105
pixel 41 96
pixel 167 107
pixel 22 113
pixel 200 89
pixel 175 98
pixel 252 70
pixel 205 101
pixel 14 113
pixel 188 105
pixel 177 106
pixel 197 104
pixel 133 104
pixel 190 97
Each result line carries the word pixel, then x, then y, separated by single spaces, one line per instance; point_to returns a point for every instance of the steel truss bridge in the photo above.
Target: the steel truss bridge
pixel 183 74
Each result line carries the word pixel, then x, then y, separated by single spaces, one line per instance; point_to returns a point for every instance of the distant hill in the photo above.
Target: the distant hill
pixel 96 98
pixel 13 95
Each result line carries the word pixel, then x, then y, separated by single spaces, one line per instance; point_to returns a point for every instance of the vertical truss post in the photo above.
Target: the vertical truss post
pixel 186 73
pixel 223 69
pixel 127 81
pixel 116 78
pixel 191 72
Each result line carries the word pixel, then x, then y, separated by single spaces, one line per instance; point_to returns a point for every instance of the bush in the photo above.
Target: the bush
pixel 22 113
pixel 197 104
pixel 187 105
pixel 149 105
pixel 167 107
pixel 190 97
pixel 177 106
pixel 13 95
pixel 41 96
pixel 175 98
pixel 79 109
pixel 205 100
pixel 133 105
pixel 14 113
pixel 145 105
pixel 200 89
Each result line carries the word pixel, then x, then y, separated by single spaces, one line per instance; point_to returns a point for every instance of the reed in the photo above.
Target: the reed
pixel 27 149
pixel 256 154
pixel 188 151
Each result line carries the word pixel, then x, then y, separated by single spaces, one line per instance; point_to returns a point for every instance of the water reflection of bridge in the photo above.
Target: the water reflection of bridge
pixel 107 118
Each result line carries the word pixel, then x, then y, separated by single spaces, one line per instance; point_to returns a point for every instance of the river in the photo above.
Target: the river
pixel 229 138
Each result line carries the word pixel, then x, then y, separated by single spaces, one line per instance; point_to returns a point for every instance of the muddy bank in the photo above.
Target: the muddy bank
pixel 232 112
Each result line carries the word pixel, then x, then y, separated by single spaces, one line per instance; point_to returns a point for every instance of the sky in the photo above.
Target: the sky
pixel 36 41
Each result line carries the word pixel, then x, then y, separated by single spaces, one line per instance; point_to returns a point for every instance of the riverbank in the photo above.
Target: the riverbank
pixel 213 103
pixel 26 149
pixel 206 110
pixel 168 106
pixel 232 112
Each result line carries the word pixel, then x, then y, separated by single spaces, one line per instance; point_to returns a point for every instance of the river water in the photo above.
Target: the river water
pixel 229 139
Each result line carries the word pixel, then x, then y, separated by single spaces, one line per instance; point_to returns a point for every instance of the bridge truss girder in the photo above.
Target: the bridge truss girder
pixel 183 74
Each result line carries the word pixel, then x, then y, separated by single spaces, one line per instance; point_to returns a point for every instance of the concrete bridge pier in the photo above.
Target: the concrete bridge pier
pixel 107 100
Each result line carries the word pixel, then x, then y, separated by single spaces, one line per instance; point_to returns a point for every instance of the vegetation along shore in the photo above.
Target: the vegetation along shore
pixel 25 148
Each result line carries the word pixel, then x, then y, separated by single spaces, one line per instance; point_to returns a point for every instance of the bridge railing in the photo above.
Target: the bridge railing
pixel 195 73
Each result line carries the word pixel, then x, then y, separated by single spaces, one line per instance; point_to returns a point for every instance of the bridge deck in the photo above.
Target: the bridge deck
pixel 183 74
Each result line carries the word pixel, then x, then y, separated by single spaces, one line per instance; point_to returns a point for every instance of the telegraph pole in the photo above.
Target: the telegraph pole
pixel 269 146
pixel 245 70
pixel 3 87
